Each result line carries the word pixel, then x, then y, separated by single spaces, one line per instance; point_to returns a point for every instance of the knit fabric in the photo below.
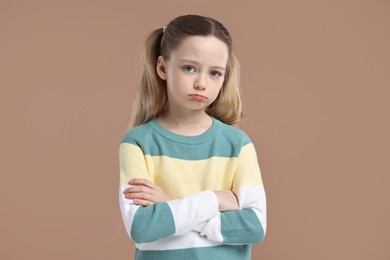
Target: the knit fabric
pixel 189 169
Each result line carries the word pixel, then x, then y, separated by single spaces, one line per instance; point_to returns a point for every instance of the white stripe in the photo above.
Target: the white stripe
pixel 189 211
pixel 127 207
pixel 249 197
pixel 254 197
pixel 189 240
pixel 211 228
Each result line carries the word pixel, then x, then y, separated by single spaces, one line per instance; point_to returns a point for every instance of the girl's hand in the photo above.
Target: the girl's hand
pixel 144 192
pixel 227 200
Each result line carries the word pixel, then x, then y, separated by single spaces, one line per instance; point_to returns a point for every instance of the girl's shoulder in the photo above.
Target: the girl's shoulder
pixel 137 134
pixel 235 134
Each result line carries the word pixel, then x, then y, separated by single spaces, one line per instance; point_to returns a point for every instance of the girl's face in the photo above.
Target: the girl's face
pixel 194 73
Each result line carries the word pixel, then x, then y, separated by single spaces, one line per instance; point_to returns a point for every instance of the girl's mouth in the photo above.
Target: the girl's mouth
pixel 197 97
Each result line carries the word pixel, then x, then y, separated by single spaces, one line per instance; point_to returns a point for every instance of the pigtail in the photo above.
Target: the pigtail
pixel 151 98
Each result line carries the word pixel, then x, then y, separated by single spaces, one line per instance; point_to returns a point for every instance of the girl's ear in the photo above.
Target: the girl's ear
pixel 161 68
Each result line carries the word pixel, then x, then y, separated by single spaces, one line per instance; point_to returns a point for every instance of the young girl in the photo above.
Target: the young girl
pixel 190 182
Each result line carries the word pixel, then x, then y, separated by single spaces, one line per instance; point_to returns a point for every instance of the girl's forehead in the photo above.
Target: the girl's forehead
pixel 202 48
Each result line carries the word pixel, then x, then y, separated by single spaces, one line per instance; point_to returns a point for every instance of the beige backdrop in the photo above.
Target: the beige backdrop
pixel 316 91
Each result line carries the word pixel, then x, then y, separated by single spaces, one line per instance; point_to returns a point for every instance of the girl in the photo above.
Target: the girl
pixel 190 182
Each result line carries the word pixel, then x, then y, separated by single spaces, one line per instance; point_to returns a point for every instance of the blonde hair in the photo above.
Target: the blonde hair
pixel 151 98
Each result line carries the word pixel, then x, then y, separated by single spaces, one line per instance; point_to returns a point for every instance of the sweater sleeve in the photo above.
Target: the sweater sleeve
pixel 248 224
pixel 163 219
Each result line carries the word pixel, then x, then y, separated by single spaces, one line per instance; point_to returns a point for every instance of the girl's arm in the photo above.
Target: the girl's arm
pixel 162 219
pixel 248 224
pixel 145 193
pixel 241 219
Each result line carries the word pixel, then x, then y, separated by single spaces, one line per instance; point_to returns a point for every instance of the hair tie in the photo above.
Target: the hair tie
pixel 164 28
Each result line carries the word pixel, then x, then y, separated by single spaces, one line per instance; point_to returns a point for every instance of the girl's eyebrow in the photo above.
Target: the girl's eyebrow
pixel 197 63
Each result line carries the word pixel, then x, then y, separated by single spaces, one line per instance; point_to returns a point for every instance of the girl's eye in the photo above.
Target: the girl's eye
pixel 189 68
pixel 215 74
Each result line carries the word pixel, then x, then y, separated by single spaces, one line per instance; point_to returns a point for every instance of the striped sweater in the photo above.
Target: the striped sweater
pixel 189 168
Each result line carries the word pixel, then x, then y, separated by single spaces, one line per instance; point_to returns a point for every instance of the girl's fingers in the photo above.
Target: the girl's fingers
pixel 139 195
pixel 227 200
pixel 145 190
pixel 140 202
pixel 143 182
pixel 141 189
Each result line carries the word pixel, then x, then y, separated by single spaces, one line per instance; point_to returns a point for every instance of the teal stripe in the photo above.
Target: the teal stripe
pixel 221 140
pixel 223 252
pixel 152 223
pixel 241 226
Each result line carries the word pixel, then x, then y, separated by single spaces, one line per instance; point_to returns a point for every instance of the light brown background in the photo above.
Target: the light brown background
pixel 316 78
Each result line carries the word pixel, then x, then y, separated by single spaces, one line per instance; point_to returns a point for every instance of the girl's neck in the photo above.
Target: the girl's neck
pixel 186 124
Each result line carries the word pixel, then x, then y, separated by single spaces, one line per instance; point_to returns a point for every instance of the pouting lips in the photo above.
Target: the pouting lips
pixel 197 97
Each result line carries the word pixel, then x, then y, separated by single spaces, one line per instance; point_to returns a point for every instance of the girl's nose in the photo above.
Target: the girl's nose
pixel 200 84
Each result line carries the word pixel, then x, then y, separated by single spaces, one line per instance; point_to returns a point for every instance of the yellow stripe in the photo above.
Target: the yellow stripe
pixel 132 163
pixel 248 170
pixel 183 177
